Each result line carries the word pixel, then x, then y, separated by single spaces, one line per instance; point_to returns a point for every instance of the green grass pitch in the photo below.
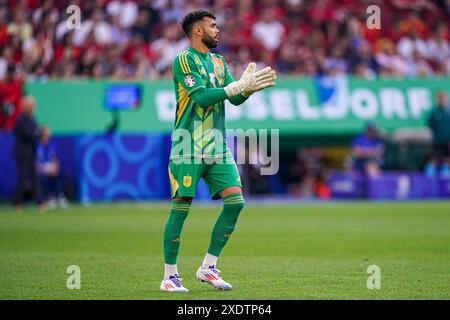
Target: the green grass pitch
pixel 278 251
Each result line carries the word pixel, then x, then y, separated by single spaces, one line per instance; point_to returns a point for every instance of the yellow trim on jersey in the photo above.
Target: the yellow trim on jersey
pixel 180 59
pixel 180 62
pixel 183 101
pixel 173 183
pixel 199 111
pixel 184 62
pixel 187 63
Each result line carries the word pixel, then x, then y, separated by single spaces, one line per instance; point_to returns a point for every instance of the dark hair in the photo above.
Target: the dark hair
pixel 193 17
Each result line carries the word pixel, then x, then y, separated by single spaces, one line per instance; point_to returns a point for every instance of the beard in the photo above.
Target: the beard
pixel 208 41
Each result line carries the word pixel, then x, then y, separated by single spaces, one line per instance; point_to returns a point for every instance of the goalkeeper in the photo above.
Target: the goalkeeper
pixel 202 84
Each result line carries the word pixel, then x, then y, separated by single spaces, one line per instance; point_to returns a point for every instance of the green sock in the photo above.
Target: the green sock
pixel 232 206
pixel 172 231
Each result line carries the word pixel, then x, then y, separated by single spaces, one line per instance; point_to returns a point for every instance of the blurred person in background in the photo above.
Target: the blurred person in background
pixel 439 123
pixel 20 26
pixel 269 31
pixel 367 151
pixel 128 11
pixel 321 36
pixel 26 137
pixel 297 174
pixel 307 174
pixel 411 44
pixel 391 63
pixel 167 47
pixel 439 46
pixel 253 181
pixel 417 66
pixel 6 59
pixel 321 188
pixel 363 63
pixel 10 95
pixel 48 170
pixel 336 64
pixel 445 168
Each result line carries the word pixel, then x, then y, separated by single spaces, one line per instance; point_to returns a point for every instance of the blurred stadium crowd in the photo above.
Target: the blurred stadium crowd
pixel 138 39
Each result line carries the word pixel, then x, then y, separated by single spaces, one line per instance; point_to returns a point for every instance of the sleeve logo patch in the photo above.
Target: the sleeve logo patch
pixel 189 81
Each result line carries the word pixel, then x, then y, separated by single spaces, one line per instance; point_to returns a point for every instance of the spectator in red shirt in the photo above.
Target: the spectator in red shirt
pixel 10 95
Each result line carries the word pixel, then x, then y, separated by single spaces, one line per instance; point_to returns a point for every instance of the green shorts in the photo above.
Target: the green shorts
pixel 217 176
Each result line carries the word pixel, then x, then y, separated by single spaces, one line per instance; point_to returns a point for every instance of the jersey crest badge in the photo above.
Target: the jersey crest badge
pixel 187 181
pixel 189 81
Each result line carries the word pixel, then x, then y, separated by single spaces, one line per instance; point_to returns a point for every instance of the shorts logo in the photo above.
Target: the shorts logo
pixel 189 81
pixel 187 181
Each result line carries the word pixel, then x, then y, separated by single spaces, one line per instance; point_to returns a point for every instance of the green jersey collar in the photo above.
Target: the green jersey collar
pixel 204 55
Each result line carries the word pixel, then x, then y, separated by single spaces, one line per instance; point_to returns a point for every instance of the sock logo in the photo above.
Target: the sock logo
pixel 176 239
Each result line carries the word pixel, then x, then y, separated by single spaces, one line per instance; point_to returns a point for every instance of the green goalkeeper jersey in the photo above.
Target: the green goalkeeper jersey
pixel 192 71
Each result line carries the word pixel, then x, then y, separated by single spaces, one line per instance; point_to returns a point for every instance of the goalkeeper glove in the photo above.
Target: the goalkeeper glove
pixel 251 81
pixel 266 80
